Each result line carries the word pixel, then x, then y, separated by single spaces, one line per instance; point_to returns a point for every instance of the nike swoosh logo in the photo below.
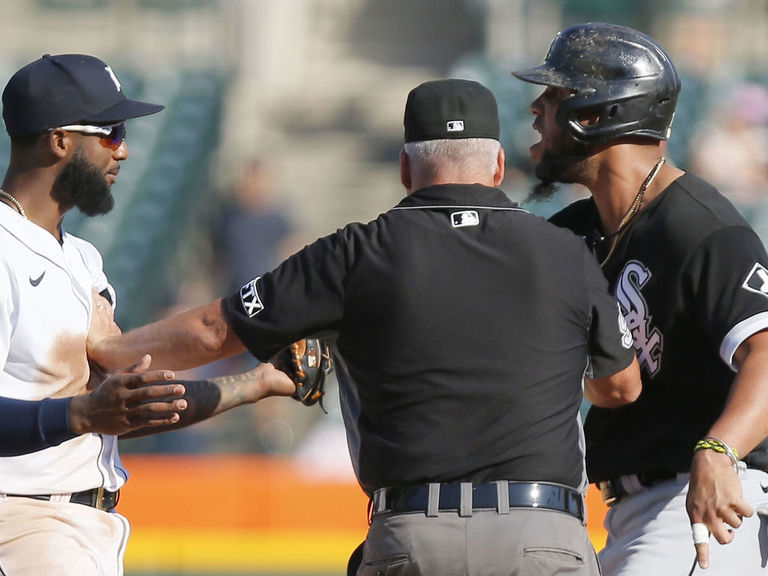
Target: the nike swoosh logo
pixel 765 488
pixel 36 281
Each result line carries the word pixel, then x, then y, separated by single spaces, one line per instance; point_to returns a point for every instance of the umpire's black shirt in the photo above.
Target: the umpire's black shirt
pixel 463 326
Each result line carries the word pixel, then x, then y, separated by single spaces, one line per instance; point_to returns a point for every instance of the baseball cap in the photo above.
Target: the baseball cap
pixel 451 109
pixel 57 90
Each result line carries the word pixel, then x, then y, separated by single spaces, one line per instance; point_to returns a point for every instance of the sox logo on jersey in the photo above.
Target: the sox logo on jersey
pixel 648 341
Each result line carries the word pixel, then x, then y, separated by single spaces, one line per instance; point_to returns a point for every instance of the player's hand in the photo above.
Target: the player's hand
pixel 715 499
pixel 264 381
pixel 102 321
pixel 128 400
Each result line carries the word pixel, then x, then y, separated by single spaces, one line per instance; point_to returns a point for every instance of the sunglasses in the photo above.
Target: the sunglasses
pixel 111 136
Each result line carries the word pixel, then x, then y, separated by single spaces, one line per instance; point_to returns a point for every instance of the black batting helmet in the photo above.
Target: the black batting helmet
pixel 616 73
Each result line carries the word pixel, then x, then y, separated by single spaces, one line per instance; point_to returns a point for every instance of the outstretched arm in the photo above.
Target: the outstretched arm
pixel 186 340
pixel 206 398
pixel 132 403
pixel 127 400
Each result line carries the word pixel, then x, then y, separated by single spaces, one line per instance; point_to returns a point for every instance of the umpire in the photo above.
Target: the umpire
pixel 462 327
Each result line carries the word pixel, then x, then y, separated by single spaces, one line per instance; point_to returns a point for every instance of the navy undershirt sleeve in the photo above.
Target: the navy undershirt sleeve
pixel 28 426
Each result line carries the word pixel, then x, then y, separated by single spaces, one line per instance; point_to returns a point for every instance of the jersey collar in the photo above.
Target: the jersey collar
pixel 33 236
pixel 459 195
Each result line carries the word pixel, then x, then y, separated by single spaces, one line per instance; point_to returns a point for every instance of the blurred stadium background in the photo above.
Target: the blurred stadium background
pixel 314 91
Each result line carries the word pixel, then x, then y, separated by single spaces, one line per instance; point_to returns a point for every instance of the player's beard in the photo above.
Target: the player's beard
pixel 564 163
pixel 82 184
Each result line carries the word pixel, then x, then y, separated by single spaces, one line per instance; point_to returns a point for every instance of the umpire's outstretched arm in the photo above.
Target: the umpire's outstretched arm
pixel 189 339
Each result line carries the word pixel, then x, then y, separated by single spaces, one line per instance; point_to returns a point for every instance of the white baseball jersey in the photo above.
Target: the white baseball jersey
pixel 45 312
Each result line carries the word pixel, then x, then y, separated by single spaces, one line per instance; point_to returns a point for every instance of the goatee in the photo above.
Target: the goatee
pixel 565 167
pixel 542 191
pixel 82 184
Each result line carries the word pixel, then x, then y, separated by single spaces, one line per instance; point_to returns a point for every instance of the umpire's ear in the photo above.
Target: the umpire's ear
pixel 405 171
pixel 500 169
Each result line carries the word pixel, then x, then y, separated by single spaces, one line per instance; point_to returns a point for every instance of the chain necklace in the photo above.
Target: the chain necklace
pixel 634 208
pixel 12 199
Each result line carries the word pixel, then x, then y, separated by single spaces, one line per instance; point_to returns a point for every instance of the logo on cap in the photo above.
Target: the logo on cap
pixel 454 126
pixel 114 78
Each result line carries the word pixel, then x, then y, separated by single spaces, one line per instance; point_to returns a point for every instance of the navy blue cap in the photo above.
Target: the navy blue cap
pixel 451 109
pixel 66 89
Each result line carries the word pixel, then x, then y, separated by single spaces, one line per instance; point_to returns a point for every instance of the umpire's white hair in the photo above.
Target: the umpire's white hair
pixel 464 154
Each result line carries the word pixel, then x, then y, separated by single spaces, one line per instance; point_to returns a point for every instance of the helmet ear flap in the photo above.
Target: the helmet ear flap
pixel 632 114
pixel 587 124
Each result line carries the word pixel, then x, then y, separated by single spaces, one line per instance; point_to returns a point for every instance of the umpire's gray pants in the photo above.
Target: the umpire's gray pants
pixel 525 542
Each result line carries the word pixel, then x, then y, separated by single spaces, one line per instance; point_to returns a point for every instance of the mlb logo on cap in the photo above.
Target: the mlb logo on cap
pixel 450 109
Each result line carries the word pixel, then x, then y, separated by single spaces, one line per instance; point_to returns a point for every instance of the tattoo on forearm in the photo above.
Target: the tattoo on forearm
pixel 206 398
pixel 235 392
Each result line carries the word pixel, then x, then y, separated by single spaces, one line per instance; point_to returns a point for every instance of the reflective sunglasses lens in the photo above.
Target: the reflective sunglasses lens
pixel 115 138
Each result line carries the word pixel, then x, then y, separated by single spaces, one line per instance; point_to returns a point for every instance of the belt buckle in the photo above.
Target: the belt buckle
pixel 608 493
pixel 99 498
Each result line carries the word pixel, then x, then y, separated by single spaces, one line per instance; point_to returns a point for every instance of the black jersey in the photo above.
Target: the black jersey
pixel 463 326
pixel 691 277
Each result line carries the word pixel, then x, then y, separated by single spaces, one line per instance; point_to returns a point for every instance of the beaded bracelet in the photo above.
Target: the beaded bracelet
pixel 712 443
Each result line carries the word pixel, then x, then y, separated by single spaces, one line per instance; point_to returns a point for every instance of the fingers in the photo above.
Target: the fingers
pixel 700 534
pixel 143 394
pixel 721 531
pixel 141 366
pixel 275 382
pixel 728 519
pixel 171 420
pixel 142 375
pixel 702 555
pixel 102 319
pixel 714 502
pixel 157 413
pixel 742 508
pixel 722 528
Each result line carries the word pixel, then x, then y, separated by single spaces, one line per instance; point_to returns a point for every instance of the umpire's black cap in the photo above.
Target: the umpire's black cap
pixel 58 90
pixel 451 109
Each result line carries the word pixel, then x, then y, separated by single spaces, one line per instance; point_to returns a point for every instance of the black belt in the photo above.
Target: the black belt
pixel 614 490
pixel 96 498
pixel 465 497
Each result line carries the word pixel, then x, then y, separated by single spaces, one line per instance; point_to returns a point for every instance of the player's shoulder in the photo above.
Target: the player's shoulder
pixel 90 254
pixel 8 224
pixel 695 200
pixel 80 243
pixel 691 212
pixel 17 237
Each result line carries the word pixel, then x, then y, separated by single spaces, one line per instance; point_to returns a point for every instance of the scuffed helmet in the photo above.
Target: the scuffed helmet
pixel 620 75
